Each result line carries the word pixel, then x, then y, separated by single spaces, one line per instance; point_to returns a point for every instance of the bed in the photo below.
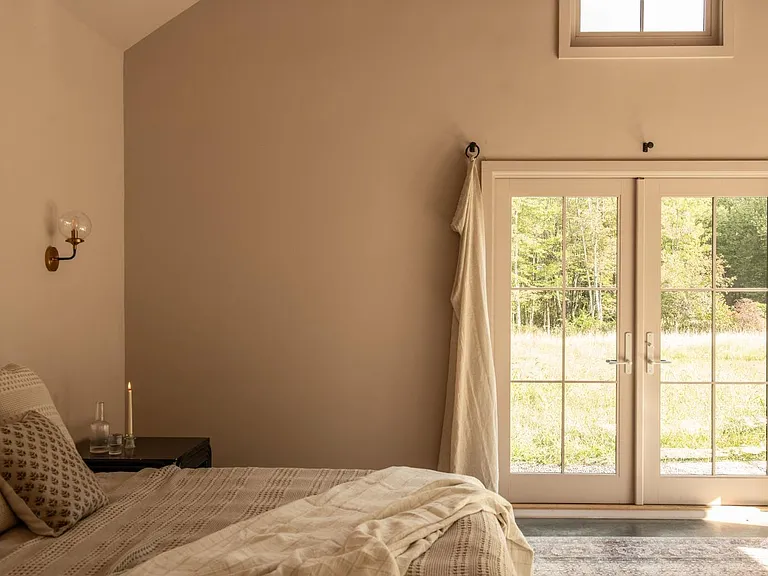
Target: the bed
pixel 153 511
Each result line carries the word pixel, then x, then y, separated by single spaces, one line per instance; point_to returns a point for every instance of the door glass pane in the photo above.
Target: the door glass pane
pixel 610 15
pixel 590 429
pixel 686 441
pixel 740 429
pixel 536 338
pixel 742 247
pixel 674 15
pixel 535 418
pixel 537 243
pixel 686 242
pixel 590 335
pixel 740 343
pixel 542 341
pixel 686 336
pixel 592 242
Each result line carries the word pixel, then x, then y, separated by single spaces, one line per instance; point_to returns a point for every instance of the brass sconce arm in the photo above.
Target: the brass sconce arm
pixel 52 257
pixel 74 253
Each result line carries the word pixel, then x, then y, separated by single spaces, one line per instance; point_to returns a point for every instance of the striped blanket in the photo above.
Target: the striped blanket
pixel 154 511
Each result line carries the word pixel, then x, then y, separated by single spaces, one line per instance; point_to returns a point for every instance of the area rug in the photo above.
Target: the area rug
pixel 635 556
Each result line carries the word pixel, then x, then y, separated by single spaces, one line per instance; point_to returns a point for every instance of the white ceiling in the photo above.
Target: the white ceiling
pixel 125 22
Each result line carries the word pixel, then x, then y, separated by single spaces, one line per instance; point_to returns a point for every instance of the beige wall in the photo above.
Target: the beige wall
pixel 125 22
pixel 291 171
pixel 61 148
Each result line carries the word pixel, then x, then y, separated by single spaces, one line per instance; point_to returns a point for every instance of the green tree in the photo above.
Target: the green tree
pixel 742 242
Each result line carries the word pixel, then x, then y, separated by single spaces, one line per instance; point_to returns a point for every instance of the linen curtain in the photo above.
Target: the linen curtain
pixel 469 443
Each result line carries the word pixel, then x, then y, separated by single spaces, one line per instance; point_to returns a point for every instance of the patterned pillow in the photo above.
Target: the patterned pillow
pixel 43 478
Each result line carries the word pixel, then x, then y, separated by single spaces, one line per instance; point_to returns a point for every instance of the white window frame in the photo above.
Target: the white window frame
pixel 715 42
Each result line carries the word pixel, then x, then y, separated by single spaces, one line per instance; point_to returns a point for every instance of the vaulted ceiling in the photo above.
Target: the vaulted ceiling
pixel 125 22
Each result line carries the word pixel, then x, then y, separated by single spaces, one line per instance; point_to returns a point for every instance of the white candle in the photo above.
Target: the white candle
pixel 129 426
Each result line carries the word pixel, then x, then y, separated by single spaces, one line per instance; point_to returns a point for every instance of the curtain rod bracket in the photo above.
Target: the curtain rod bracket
pixel 472 151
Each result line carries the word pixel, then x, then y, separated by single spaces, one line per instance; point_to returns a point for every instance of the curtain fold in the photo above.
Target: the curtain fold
pixel 469 443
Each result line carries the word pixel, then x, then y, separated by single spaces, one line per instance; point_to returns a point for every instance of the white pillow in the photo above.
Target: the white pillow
pixel 21 390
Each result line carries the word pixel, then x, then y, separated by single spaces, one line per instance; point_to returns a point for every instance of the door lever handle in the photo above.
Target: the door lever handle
pixel 627 362
pixel 649 361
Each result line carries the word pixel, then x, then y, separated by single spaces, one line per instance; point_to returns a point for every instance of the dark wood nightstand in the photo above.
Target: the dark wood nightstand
pixel 151 452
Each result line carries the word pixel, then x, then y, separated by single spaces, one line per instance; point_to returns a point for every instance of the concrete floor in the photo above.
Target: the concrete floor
pixel 647 528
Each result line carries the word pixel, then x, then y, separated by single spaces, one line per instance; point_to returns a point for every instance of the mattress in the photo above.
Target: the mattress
pixel 156 510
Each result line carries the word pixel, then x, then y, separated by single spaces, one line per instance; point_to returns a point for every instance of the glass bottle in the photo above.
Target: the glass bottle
pixel 99 432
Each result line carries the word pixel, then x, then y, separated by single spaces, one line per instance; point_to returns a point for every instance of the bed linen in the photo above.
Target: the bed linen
pixel 375 525
pixel 154 511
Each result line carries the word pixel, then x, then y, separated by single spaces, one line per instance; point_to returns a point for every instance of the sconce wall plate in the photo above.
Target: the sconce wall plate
pixel 52 258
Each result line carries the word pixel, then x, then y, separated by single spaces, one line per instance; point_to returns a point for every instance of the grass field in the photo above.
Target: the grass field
pixel 590 409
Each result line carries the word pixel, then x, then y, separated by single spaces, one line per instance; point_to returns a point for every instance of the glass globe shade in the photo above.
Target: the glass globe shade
pixel 75 221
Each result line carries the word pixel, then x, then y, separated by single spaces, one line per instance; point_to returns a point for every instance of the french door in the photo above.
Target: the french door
pixel 629 328
pixel 563 276
pixel 706 267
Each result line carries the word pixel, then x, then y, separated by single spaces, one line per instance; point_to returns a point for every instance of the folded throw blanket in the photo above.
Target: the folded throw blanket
pixel 375 525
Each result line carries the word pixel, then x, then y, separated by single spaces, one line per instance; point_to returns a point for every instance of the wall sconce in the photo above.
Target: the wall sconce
pixel 75 226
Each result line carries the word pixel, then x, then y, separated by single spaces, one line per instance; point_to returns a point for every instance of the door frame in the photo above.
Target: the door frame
pixel 493 170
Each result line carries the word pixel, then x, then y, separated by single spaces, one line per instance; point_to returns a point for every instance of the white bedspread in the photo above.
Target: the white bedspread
pixel 375 525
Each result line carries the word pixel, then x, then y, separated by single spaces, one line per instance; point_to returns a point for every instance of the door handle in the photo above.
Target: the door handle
pixel 627 362
pixel 649 361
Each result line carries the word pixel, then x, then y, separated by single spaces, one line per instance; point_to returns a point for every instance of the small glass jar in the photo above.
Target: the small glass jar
pixel 115 444
pixel 99 432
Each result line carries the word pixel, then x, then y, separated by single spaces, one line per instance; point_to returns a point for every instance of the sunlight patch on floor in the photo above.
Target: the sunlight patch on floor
pixel 759 555
pixel 737 515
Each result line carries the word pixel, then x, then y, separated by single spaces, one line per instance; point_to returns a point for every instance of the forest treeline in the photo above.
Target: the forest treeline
pixel 588 229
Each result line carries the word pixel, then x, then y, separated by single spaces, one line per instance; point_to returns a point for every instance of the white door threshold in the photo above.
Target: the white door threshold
pixel 731 514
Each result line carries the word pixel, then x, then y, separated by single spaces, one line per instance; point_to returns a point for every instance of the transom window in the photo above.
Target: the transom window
pixel 644 28
pixel 627 16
